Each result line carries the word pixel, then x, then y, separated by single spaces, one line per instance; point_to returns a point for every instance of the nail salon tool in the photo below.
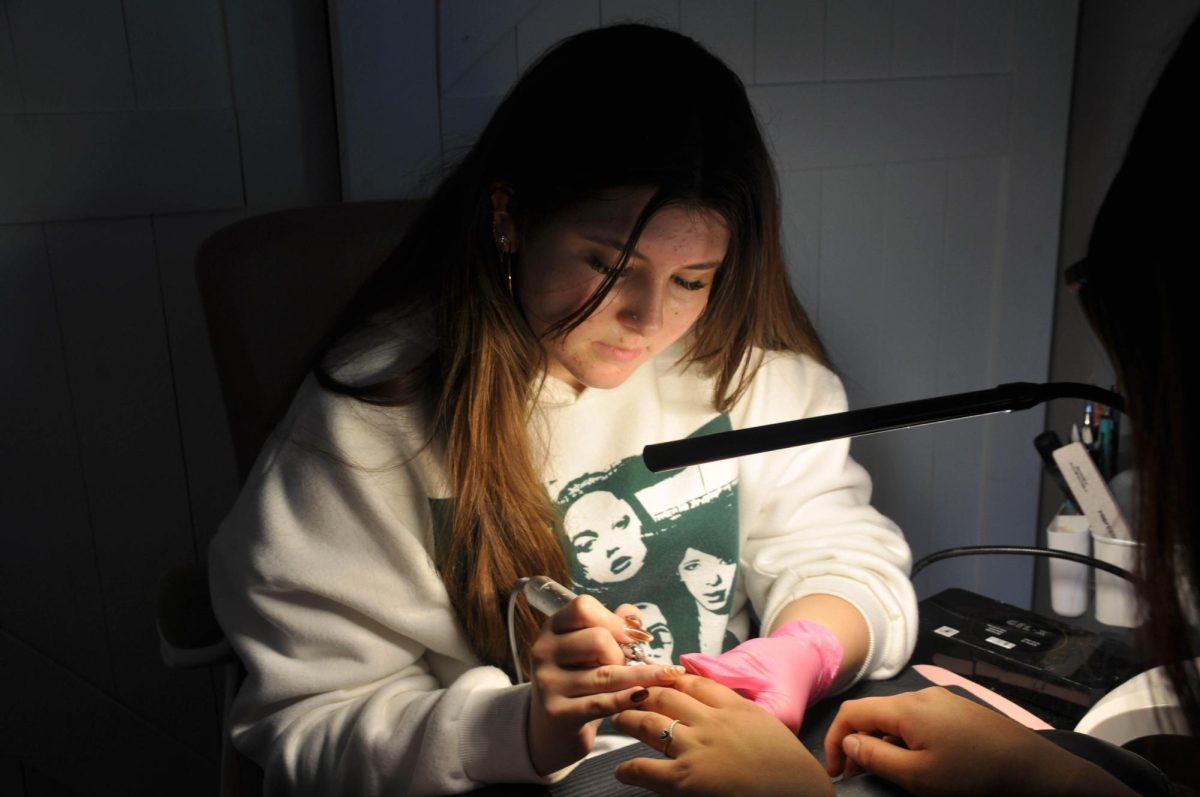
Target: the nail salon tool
pixel 548 596
pixel 1046 444
pixel 1091 493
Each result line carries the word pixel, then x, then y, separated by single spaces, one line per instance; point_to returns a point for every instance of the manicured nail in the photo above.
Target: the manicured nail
pixel 670 673
pixel 639 635
pixel 640 695
pixel 850 744
pixel 633 620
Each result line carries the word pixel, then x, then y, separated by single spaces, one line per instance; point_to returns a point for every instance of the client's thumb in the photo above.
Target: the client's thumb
pixel 874 755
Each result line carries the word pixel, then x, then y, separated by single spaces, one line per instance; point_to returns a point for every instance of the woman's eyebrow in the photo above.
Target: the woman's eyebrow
pixel 619 246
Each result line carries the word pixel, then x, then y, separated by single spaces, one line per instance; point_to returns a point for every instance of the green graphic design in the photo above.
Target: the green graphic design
pixel 667 542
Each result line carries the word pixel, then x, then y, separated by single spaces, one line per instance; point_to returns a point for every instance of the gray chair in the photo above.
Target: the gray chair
pixel 271 286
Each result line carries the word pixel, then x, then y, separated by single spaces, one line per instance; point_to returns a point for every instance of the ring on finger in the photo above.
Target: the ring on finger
pixel 667 736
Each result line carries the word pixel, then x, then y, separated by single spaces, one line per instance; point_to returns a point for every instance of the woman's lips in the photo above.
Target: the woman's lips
pixel 619 353
pixel 620 564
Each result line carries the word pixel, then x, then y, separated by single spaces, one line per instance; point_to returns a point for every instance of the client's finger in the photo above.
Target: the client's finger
pixel 675 703
pixel 880 757
pixel 656 730
pixel 618 677
pixel 869 715
pixel 656 774
pixel 708 691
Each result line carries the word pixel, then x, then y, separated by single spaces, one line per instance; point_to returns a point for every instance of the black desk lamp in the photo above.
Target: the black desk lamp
pixel 774 436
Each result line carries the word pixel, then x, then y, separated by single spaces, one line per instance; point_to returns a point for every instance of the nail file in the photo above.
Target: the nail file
pixel 1091 494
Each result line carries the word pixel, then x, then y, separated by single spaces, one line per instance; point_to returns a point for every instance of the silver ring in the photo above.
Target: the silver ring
pixel 667 736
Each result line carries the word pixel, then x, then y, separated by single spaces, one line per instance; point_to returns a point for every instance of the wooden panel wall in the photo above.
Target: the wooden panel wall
pixel 129 131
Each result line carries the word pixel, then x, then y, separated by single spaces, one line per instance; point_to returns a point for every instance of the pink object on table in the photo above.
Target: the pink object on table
pixel 943 677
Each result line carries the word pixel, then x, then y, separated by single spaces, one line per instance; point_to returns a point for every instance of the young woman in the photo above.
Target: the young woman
pixel 602 270
pixel 933 742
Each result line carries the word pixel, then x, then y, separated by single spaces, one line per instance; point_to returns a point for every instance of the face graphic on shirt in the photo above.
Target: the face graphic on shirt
pixel 606 537
pixel 662 647
pixel 708 578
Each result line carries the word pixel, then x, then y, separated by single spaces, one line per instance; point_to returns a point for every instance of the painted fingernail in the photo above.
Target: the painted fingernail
pixel 633 620
pixel 671 672
pixel 640 695
pixel 639 635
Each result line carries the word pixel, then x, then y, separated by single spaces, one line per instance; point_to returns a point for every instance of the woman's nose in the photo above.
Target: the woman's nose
pixel 641 306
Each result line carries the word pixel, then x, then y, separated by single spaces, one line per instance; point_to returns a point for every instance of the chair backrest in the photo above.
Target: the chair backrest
pixel 272 286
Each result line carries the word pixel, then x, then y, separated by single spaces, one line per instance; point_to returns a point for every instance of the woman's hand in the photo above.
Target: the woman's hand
pixel 722 744
pixel 579 677
pixel 938 743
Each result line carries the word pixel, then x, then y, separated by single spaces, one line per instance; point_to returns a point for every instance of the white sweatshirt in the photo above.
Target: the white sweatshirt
pixel 360 680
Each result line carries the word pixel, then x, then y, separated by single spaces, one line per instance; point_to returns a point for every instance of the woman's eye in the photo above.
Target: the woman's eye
pixel 599 266
pixel 689 285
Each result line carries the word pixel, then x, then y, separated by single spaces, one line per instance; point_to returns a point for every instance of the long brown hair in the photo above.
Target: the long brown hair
pixel 1141 254
pixel 623 106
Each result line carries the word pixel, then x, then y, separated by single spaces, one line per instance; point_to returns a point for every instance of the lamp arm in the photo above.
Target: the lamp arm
pixel 770 437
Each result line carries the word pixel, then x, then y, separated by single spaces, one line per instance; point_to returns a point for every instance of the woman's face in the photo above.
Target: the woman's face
pixel 663 291
pixel 606 536
pixel 654 622
pixel 709 579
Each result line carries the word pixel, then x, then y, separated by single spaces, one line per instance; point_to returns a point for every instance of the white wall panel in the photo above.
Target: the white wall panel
pixel 983 34
pixel 801 195
pixel 10 81
pixel 789 41
pixel 386 99
pixel 664 13
pixel 550 22
pixel 280 67
pixel 50 590
pixel 974 192
pixel 852 243
pixel 858 39
pixel 1043 51
pixel 52 724
pixel 207 449
pixel 72 55
pixel 922 38
pixel 114 338
pixel 816 125
pixel 467 31
pixel 725 28
pixel 117 164
pixel 470 102
pixel 177 53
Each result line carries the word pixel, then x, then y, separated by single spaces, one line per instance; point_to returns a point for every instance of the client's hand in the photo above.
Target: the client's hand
pixel 579 677
pixel 784 673
pixel 938 743
pixel 719 743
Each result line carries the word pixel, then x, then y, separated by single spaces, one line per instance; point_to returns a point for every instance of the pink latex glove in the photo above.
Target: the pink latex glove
pixel 784 673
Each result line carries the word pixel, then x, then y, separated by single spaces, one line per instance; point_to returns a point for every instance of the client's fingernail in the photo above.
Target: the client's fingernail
pixel 633 620
pixel 640 695
pixel 639 635
pixel 671 672
pixel 850 745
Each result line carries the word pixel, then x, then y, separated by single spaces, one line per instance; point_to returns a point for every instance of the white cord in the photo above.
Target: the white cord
pixel 512 628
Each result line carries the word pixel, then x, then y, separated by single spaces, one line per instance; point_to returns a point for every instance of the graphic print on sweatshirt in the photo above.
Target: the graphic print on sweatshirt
pixel 667 542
